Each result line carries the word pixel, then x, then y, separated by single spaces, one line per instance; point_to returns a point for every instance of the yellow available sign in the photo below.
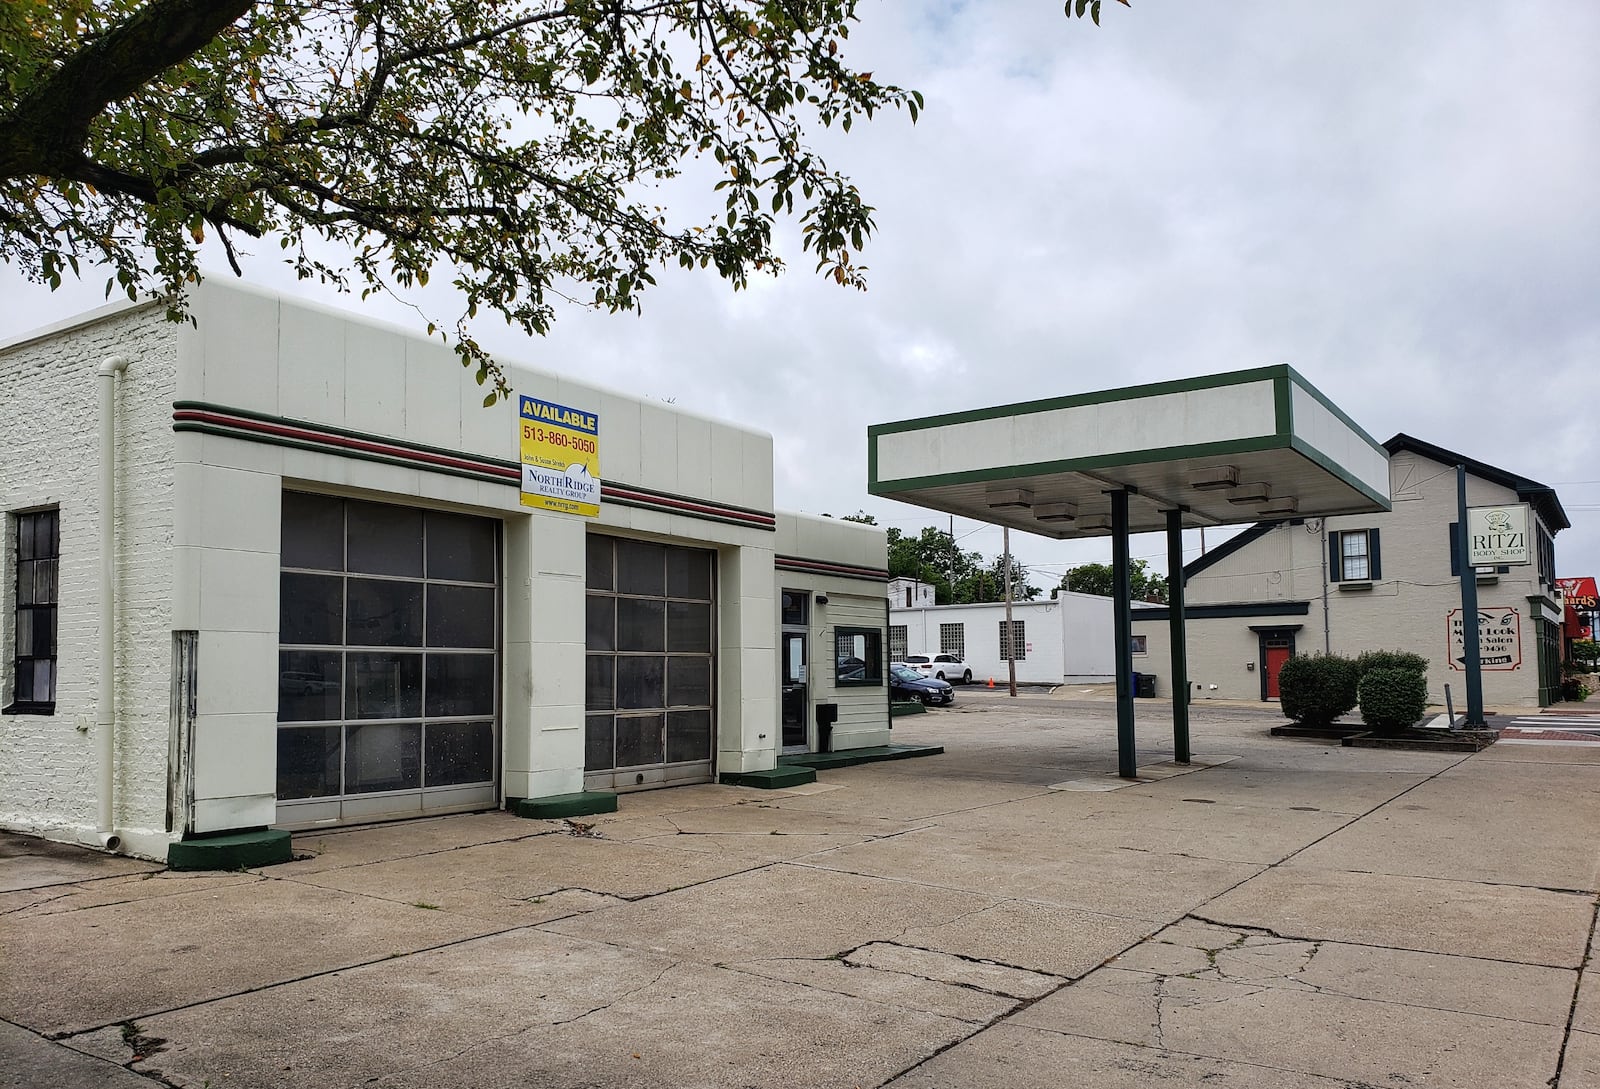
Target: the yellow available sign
pixel 560 457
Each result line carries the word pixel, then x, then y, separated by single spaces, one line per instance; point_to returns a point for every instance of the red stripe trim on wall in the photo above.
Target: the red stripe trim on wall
pixel 251 426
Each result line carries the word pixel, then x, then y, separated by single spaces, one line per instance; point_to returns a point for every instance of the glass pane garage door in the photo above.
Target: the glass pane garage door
pixel 650 668
pixel 388 671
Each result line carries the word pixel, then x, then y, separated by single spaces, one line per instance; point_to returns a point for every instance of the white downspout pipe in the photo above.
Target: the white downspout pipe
pixel 106 701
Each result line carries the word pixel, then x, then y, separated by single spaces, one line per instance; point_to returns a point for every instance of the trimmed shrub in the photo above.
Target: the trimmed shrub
pixel 1315 689
pixel 1392 699
pixel 1390 659
pixel 1574 689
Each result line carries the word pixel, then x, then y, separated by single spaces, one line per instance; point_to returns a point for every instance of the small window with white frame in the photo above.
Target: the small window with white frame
pixel 898 647
pixel 1353 556
pixel 1141 644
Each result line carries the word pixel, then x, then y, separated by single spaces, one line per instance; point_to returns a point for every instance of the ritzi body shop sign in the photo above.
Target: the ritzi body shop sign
pixel 1498 536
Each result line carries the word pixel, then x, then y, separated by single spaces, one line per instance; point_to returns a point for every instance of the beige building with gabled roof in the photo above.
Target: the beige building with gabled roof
pixel 1388 581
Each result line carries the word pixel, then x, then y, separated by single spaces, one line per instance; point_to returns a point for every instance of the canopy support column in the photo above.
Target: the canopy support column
pixel 1179 640
pixel 1121 592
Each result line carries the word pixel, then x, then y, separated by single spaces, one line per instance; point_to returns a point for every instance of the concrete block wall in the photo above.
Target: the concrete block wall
pixel 49 452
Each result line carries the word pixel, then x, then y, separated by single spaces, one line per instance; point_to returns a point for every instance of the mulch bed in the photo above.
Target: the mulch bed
pixel 1359 737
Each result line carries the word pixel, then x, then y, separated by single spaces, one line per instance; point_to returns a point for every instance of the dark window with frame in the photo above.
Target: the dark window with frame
pixel 1014 648
pixel 33 676
pixel 1353 556
pixel 858 657
pixel 795 608
pixel 650 666
pixel 388 657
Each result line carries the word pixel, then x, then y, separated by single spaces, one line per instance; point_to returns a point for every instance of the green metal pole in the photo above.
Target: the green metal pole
pixel 1469 608
pixel 1180 649
pixel 1122 624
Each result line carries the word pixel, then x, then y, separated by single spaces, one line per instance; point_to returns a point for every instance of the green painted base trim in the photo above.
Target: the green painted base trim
pixel 581 804
pixel 776 779
pixel 898 709
pixel 848 757
pixel 237 851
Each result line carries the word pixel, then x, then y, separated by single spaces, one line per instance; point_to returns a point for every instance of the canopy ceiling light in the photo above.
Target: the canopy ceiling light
pixel 1056 512
pixel 1095 521
pixel 1250 493
pixel 1217 476
pixel 1010 499
pixel 1286 505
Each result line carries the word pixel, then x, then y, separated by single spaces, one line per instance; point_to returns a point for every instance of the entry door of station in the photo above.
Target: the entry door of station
pixel 794 691
pixel 794 673
pixel 650 667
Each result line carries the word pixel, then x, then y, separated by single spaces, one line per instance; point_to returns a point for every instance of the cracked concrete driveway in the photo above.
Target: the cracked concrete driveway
pixel 1301 915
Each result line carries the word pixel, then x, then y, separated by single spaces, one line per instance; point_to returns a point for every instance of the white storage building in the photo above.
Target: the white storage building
pixel 1067 639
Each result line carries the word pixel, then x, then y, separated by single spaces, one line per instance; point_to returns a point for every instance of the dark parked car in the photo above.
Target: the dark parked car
pixel 906 683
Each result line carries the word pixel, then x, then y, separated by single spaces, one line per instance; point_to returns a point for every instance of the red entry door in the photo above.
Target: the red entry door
pixel 1275 652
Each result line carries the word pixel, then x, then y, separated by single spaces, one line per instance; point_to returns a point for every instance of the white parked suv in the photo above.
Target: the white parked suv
pixel 944 667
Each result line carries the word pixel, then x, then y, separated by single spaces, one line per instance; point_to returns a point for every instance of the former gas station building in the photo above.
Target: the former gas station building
pixel 305 581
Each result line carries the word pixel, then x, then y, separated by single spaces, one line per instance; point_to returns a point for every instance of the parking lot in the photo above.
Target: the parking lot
pixel 1284 913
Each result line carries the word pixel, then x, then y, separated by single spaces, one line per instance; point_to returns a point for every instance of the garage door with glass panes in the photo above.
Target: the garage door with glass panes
pixel 388 664
pixel 648 681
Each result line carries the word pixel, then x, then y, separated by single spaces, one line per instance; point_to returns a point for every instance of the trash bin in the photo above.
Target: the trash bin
pixel 827 715
pixel 1147 685
pixel 1133 685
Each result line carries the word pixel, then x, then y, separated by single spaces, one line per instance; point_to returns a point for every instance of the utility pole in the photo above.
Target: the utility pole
pixel 1011 631
pixel 952 560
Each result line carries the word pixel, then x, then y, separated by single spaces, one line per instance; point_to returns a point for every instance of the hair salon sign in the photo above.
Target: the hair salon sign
pixel 1498 536
pixel 1499 639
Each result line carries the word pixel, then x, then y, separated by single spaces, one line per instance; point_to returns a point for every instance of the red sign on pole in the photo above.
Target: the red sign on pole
pixel 1580 597
pixel 1580 593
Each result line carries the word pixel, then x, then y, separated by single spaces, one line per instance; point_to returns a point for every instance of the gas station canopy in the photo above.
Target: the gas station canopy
pixel 1246 446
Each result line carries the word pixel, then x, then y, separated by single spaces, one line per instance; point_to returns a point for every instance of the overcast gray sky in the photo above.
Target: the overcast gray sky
pixel 1400 200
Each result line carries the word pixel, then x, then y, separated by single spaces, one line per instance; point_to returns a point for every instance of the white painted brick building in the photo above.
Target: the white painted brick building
pixel 334 606
pixel 1065 639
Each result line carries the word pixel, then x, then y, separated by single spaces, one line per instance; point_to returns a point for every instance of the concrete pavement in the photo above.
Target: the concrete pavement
pixel 1301 915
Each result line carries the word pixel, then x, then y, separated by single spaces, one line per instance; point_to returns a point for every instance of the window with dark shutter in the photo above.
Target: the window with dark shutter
pixel 1354 556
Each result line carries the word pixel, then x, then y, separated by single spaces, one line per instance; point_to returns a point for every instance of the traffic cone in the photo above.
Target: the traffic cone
pixel 991 682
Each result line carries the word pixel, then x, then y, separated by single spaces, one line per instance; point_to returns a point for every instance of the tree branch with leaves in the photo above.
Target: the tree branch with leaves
pixel 517 141
pixel 520 142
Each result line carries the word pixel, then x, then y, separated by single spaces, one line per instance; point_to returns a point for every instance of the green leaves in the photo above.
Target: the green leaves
pixel 517 143
pixel 1078 7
